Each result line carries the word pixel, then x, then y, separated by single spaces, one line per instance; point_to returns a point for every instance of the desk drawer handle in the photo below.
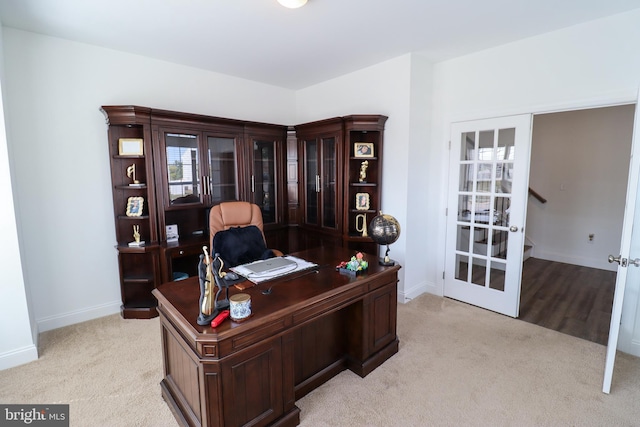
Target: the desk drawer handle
pixel 181 252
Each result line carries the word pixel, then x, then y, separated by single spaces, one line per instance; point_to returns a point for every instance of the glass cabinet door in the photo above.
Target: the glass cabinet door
pixel 321 176
pixel 221 182
pixel 329 184
pixel 182 168
pixel 312 181
pixel 263 181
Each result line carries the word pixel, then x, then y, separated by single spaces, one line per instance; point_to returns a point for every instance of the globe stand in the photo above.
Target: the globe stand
pixel 386 261
pixel 384 230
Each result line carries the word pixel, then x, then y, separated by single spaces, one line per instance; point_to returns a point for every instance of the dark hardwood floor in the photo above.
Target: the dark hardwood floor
pixel 567 298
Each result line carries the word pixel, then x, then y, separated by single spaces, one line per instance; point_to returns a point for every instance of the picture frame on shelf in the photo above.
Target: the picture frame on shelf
pixel 362 201
pixel 130 147
pixel 172 233
pixel 135 206
pixel 363 150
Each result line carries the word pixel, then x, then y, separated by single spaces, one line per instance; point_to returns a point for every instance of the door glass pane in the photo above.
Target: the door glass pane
pixel 222 169
pixel 462 267
pixel 183 171
pixel 480 240
pixel 311 181
pixel 504 178
pixel 500 243
pixel 482 209
pixel 506 144
pixel 478 272
pixel 468 146
pixel 464 207
pixel 497 274
pixel 462 244
pixel 466 177
pixel 264 179
pixel 505 155
pixel 485 175
pixel 501 211
pixel 485 144
pixel 329 178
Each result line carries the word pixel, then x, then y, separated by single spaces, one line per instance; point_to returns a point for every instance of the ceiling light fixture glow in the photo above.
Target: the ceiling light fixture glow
pixel 292 4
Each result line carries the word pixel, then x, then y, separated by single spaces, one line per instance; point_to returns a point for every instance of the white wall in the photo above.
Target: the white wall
pixel 580 164
pixel 422 207
pixel 18 334
pixel 395 88
pixel 58 138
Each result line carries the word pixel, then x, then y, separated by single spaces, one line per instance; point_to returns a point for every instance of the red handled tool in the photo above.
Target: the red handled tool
pixel 219 318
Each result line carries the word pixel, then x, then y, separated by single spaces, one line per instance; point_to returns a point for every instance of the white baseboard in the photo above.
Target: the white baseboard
pixel 18 357
pixel 71 318
pixel 632 348
pixel 601 264
pixel 407 295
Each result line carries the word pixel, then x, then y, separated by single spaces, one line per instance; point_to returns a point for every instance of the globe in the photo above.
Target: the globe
pixel 384 230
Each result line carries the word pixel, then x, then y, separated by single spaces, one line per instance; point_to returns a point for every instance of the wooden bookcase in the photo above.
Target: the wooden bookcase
pixel 187 163
pixel 363 194
pixel 130 127
pixel 329 177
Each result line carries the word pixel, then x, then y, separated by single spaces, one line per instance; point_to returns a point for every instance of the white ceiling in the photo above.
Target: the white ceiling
pixel 294 48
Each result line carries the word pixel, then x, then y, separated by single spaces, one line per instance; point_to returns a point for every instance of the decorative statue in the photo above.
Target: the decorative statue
pixel 136 233
pixel 131 173
pixel 363 171
pixel 211 275
pixel 362 227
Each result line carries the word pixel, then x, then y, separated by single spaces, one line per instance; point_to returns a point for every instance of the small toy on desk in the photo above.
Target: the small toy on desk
pixel 355 266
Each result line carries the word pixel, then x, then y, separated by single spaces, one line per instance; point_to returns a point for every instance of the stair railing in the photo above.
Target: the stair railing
pixel 537 195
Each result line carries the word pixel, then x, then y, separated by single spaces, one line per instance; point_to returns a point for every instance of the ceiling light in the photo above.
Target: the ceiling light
pixel 292 4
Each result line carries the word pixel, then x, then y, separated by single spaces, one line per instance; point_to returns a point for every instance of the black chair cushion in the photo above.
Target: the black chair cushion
pixel 240 245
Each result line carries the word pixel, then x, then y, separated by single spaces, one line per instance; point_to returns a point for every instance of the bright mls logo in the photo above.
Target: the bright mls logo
pixel 36 415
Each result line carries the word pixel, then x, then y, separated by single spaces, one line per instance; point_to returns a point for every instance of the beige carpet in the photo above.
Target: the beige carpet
pixel 457 365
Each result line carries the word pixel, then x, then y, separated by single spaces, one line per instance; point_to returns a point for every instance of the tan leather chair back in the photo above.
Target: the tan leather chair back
pixel 234 214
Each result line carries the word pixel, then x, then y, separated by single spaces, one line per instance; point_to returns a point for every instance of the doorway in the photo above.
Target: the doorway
pixel 579 165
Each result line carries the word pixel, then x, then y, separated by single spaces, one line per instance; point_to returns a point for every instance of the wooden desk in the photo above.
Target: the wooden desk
pixel 309 328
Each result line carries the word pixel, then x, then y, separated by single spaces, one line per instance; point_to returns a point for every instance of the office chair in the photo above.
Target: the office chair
pixel 236 233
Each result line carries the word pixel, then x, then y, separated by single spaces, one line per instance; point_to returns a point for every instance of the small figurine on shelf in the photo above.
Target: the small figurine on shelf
pixel 136 237
pixel 363 171
pixel 356 265
pixel 131 173
pixel 361 224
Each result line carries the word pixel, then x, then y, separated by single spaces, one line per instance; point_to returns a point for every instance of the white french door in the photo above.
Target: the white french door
pixel 629 256
pixel 488 188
